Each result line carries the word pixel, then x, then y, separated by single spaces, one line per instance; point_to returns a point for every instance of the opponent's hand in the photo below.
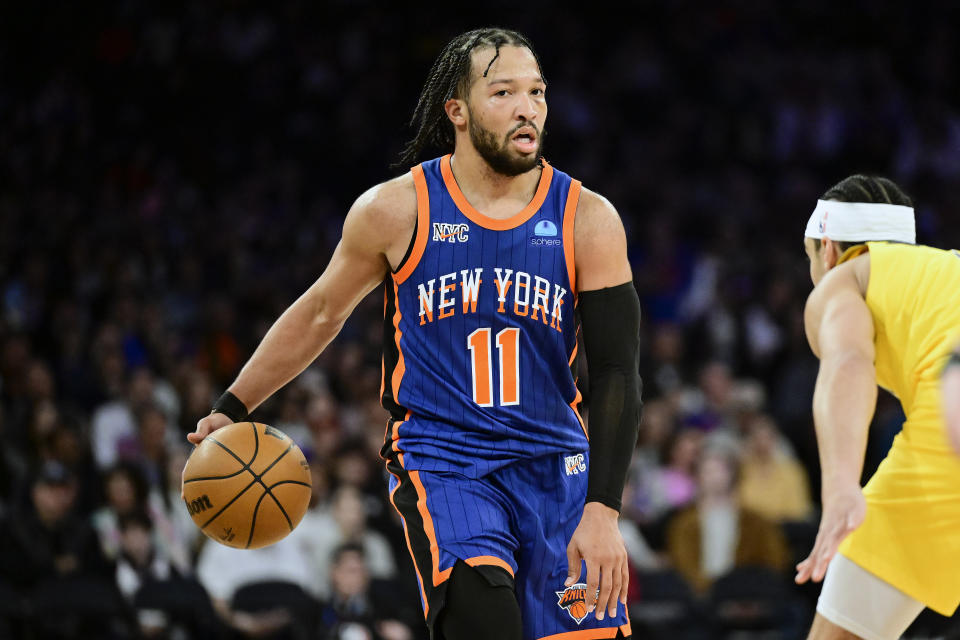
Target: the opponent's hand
pixel 208 425
pixel 843 511
pixel 598 542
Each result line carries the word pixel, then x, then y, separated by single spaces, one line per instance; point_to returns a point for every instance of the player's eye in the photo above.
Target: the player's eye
pixel 537 92
pixel 502 93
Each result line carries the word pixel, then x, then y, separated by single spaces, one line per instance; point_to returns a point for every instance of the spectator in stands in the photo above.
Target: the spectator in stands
pixel 114 425
pixel 716 534
pixel 361 608
pixel 126 491
pixel 138 560
pixel 773 483
pixel 345 522
pixel 42 538
pixel 223 571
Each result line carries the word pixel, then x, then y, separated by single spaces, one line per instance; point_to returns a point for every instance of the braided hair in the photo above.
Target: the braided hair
pixel 869 189
pixel 450 78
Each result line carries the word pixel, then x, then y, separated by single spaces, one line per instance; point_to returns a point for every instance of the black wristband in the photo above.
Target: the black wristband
pixel 230 406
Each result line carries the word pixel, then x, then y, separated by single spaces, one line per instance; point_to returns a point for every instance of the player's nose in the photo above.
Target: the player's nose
pixel 527 108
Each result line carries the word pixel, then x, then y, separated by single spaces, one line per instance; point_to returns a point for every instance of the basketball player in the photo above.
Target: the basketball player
pixel 881 312
pixel 489 255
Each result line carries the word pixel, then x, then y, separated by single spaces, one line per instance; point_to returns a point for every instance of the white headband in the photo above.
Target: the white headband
pixel 862 221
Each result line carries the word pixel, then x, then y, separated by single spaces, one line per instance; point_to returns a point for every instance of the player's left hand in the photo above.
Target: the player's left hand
pixel 598 542
pixel 843 511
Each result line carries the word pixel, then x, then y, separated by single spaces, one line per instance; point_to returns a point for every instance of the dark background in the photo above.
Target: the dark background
pixel 173 175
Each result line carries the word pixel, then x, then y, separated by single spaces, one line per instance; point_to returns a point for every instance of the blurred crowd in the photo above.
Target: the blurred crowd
pixel 173 175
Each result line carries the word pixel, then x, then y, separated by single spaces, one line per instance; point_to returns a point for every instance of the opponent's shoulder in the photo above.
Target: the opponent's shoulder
pixel 842 288
pixel 851 276
pixel 385 212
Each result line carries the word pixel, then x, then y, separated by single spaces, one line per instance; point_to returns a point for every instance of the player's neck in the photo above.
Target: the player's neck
pixel 495 194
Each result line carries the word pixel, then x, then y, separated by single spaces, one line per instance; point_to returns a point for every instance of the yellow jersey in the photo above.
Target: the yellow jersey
pixel 911 535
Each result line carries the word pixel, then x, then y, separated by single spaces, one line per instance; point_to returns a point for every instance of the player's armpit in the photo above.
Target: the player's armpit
pixel 600 244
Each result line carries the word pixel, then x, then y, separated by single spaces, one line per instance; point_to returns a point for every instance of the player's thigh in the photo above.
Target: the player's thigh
pixel 854 603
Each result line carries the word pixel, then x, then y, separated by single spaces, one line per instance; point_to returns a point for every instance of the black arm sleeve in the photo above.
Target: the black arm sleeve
pixel 610 319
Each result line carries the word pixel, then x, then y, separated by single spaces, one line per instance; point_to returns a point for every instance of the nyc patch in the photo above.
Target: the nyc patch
pixel 446 232
pixel 574 464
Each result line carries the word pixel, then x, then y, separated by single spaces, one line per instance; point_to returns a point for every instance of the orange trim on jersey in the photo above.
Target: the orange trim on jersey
pixel 569 215
pixel 592 634
pixel 396 436
pixel 438 576
pixel 496 224
pixel 490 561
pixel 406 534
pixel 423 226
pixel 383 364
pixel 576 412
pixel 401 368
pixel 579 398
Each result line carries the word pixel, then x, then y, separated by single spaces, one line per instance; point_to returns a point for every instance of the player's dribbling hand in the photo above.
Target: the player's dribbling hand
pixel 843 511
pixel 597 541
pixel 208 425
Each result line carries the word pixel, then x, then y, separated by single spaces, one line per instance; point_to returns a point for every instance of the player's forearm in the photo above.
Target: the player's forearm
pixel 611 329
pixel 843 404
pixel 298 336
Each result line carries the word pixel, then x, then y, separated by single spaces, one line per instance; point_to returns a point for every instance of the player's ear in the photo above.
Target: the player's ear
pixel 457 111
pixel 830 253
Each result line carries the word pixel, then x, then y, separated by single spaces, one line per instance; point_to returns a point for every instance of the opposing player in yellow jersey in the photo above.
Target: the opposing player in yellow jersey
pixel 883 311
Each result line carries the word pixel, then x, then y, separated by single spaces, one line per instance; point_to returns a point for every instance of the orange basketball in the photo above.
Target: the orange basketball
pixel 247 485
pixel 578 610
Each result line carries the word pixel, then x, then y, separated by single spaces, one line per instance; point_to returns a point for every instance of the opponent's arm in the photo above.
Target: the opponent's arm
pixel 951 398
pixel 375 226
pixel 610 320
pixel 840 330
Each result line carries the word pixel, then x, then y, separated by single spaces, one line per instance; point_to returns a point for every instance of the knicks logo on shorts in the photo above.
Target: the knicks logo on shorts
pixel 574 600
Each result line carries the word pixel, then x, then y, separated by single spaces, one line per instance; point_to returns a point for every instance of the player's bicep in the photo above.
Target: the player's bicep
pixel 600 244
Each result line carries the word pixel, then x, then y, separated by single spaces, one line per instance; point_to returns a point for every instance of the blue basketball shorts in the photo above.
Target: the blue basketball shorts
pixel 513 526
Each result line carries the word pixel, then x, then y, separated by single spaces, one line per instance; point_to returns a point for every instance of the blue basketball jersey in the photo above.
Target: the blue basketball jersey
pixel 480 337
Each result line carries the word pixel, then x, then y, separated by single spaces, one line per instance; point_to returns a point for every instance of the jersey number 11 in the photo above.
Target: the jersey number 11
pixel 481 365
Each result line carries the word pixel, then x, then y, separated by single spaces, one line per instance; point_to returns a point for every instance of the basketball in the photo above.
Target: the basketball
pixel 578 610
pixel 247 485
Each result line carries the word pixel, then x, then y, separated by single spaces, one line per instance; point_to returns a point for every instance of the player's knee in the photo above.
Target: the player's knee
pixel 477 610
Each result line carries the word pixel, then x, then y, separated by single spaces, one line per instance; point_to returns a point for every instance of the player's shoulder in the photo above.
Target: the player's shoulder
pixel 852 275
pixel 389 207
pixel 596 216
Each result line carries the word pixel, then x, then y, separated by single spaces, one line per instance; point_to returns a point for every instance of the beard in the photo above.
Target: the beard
pixel 498 155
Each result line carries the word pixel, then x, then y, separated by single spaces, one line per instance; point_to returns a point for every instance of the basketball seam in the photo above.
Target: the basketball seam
pixel 246 466
pixel 235 473
pixel 224 508
pixel 266 490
